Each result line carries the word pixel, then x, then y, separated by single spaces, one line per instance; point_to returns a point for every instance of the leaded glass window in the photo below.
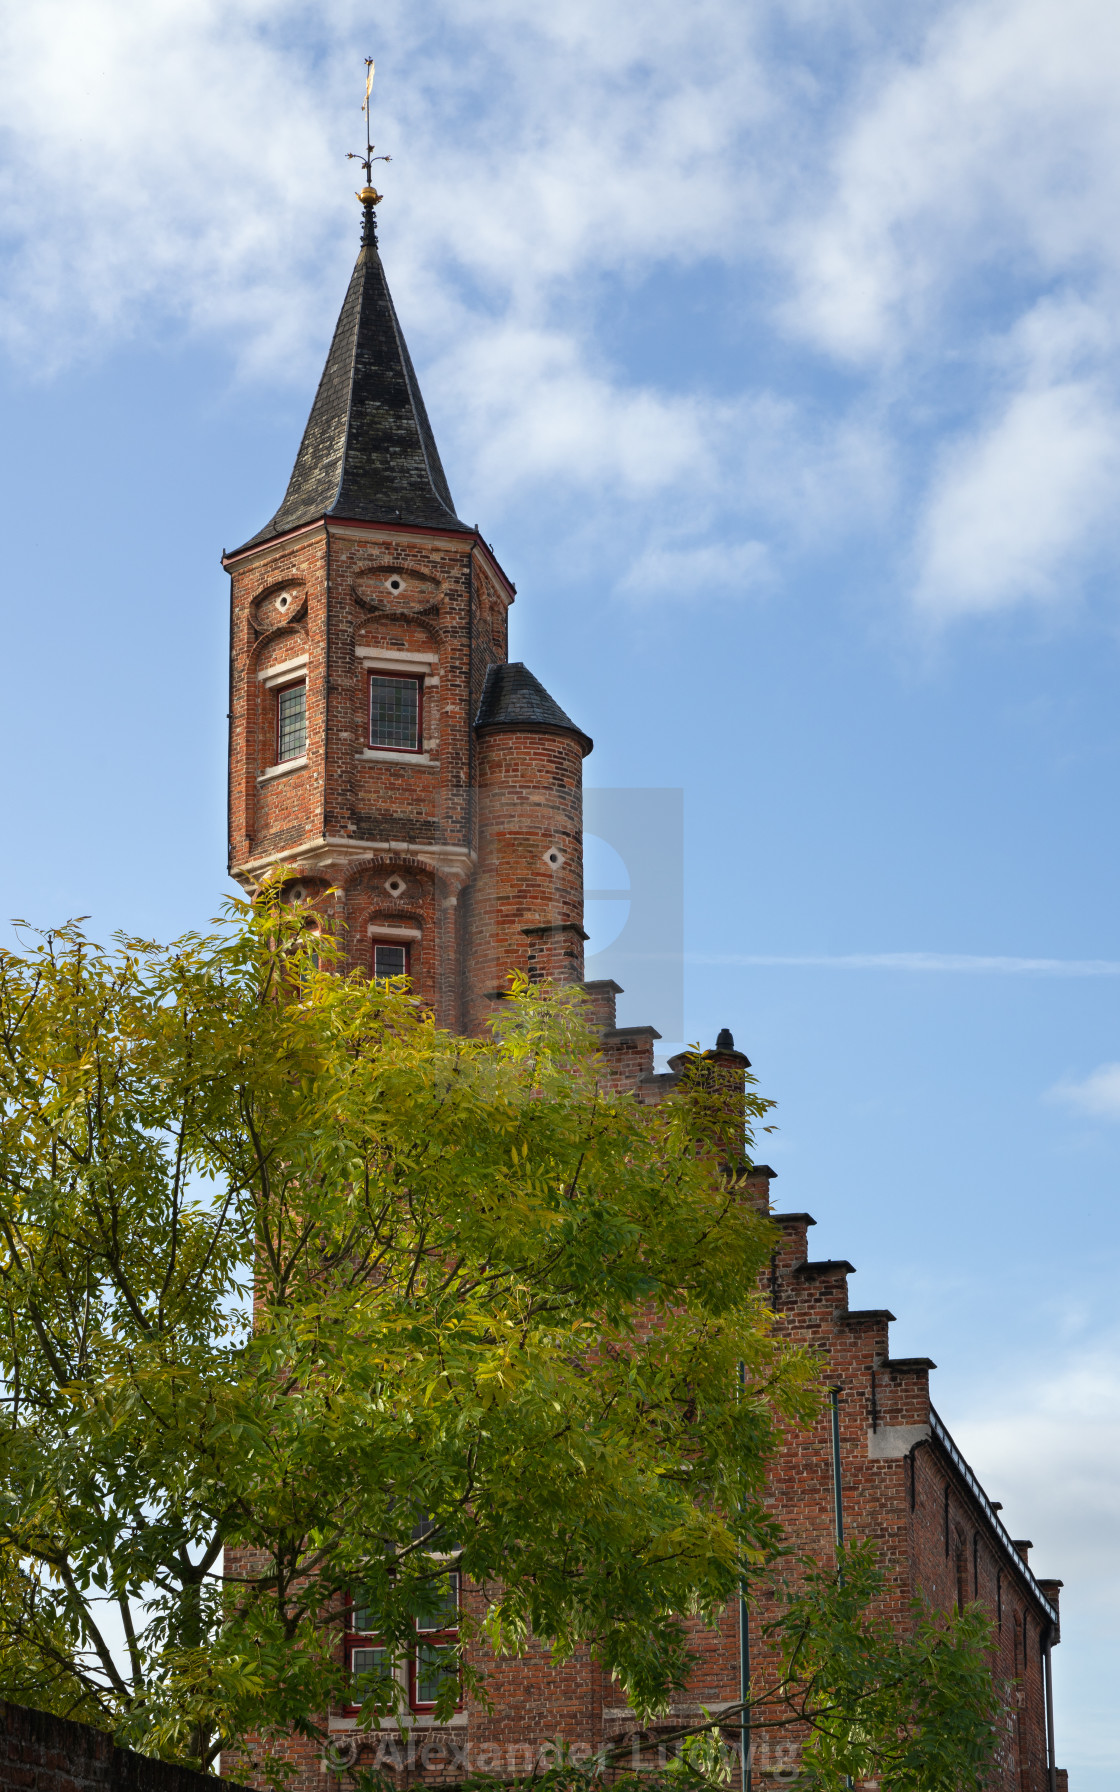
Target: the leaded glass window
pixel 369 1662
pixel 394 712
pixel 436 1660
pixel 435 1663
pixel 291 722
pixel 389 961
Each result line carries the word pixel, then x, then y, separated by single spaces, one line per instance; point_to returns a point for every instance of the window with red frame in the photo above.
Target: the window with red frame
pixel 291 721
pixel 368 1663
pixel 396 712
pixel 431 1663
pixel 435 1659
pixel 391 958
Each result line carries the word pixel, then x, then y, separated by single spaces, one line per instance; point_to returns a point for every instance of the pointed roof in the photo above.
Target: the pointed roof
pixel 368 453
pixel 513 699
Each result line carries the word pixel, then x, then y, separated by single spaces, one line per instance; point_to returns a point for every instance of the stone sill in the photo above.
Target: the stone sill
pixel 387 756
pixel 400 1726
pixel 279 771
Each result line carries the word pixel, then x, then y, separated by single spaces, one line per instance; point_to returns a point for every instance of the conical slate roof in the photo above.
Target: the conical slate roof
pixel 513 699
pixel 367 453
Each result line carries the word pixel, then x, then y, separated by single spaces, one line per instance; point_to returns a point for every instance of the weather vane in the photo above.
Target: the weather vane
pixel 369 195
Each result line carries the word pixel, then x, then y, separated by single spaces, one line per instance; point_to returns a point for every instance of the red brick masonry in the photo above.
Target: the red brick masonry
pixel 47 1754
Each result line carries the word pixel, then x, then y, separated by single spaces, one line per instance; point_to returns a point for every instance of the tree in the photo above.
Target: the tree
pixel 915 1711
pixel 294 1282
pixel 302 1298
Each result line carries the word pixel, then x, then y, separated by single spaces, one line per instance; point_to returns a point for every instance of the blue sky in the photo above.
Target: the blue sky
pixel 775 348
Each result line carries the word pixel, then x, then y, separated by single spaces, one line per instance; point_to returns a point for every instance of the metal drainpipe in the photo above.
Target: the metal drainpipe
pixel 1051 1761
pixel 744 1695
pixel 838 1495
pixel 837 1489
pixel 744 1661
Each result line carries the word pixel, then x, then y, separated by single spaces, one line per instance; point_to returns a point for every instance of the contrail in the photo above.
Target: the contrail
pixel 974 964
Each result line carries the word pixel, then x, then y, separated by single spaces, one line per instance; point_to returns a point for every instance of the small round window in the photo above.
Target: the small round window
pixel 395 584
pixel 554 858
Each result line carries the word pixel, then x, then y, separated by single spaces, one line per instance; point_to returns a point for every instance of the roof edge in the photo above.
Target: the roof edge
pixel 253 547
pixel 587 745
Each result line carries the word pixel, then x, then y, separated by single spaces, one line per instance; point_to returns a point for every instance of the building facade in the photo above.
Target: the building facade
pixel 428 793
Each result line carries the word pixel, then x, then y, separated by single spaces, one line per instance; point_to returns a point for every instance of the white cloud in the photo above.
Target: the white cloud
pixel 1048 1444
pixel 534 410
pixel 165 159
pixel 967 173
pixel 186 157
pixel 697 571
pixel 1012 508
pixel 1050 1448
pixel 1096 1095
pixel 989 145
pixel 179 166
pixel 533 151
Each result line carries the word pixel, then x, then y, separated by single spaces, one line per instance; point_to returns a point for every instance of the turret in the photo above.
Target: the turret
pixel 381 749
pixel 527 900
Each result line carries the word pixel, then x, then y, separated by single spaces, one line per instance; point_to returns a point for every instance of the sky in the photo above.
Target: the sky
pixel 775 345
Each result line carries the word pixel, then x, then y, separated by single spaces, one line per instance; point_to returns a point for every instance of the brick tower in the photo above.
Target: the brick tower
pixel 380 743
pixel 383 747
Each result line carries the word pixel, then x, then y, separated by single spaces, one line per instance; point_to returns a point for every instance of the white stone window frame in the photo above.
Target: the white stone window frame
pixel 270 678
pixel 417 665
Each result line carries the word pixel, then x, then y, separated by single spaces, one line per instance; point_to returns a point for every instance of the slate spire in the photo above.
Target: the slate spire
pixel 368 453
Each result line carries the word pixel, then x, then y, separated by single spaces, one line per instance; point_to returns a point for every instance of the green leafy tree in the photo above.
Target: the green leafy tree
pixel 915 1709
pixel 301 1296
pixel 840 1692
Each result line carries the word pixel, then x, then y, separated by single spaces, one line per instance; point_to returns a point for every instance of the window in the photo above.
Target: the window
pixel 431 1664
pixel 395 712
pixel 291 722
pixel 435 1659
pixel 390 960
pixel 367 1660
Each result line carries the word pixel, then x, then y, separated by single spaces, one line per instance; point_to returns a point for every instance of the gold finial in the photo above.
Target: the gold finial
pixel 368 195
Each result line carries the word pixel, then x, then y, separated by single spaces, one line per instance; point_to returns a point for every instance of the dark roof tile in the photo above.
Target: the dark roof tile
pixel 513 699
pixel 368 453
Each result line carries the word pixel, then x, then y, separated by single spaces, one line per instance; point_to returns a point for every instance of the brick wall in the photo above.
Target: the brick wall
pixel 49 1754
pixel 394 833
pixel 527 895
pixel 905 1486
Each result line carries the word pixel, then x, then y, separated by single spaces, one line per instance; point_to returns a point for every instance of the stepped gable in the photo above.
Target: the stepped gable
pixel 513 699
pixel 368 453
